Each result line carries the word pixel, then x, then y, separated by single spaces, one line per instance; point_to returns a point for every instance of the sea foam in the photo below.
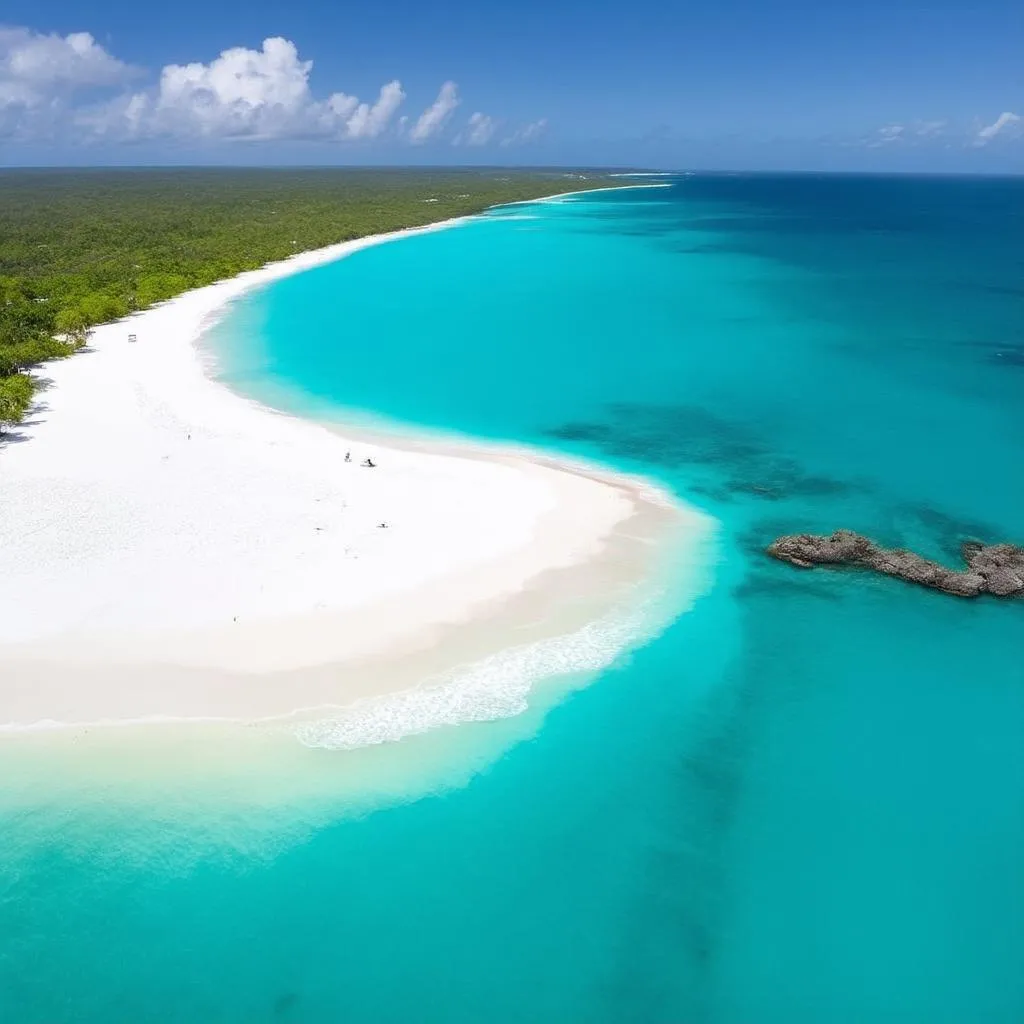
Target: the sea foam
pixel 495 687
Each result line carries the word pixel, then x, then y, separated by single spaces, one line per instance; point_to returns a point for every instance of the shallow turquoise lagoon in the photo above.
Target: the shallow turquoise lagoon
pixel 803 803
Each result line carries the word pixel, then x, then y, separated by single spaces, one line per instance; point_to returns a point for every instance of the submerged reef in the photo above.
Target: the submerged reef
pixel 996 569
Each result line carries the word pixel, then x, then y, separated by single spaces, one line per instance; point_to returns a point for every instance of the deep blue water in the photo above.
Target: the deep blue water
pixel 804 803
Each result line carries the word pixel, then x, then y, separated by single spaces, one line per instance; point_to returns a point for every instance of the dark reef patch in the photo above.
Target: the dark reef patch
pixel 285 1003
pixel 710 249
pixel 676 436
pixel 1004 352
pixel 1007 357
pixel 775 585
pixel 943 532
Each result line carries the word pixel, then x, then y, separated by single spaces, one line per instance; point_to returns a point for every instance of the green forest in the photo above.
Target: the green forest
pixel 82 247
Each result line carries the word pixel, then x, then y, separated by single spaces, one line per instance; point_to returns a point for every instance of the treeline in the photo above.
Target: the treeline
pixel 80 248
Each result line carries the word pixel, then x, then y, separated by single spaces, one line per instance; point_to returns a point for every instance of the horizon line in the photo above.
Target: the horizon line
pixel 536 168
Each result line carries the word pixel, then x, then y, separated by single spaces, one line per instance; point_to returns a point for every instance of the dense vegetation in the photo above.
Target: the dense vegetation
pixel 78 248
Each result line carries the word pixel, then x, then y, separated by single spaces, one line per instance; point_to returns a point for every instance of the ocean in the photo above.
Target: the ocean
pixel 801 803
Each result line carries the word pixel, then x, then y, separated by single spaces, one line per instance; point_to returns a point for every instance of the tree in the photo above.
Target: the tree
pixel 16 393
pixel 73 324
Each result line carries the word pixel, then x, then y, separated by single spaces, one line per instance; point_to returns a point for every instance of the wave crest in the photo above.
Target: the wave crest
pixel 495 687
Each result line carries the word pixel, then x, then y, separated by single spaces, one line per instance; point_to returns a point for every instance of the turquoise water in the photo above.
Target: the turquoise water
pixel 804 803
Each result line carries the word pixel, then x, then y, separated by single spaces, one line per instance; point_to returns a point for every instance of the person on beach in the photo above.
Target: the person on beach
pixel 369 463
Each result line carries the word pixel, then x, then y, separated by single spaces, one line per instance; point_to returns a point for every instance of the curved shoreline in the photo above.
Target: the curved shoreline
pixel 177 550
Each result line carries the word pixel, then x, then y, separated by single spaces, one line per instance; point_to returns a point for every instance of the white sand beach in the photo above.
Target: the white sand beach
pixel 170 549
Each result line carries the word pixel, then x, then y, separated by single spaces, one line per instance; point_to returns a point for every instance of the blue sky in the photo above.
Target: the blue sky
pixel 876 85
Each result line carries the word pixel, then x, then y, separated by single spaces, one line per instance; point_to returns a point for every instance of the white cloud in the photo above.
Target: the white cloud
pixel 479 130
pixel 931 133
pixel 890 133
pixel 247 94
pixel 527 133
pixel 71 88
pixel 886 136
pixel 434 118
pixel 909 134
pixel 40 74
pixel 368 122
pixel 244 94
pixel 1006 124
pixel 40 62
pixel 929 129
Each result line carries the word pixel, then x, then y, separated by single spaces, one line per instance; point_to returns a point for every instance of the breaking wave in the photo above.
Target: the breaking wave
pixel 496 687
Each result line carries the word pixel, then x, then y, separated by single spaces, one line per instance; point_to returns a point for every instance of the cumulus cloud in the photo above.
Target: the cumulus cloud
pixel 40 62
pixel 40 75
pixel 368 122
pixel 527 133
pixel 242 92
pixel 479 130
pixel 245 94
pixel 1006 124
pixel 71 88
pixel 434 118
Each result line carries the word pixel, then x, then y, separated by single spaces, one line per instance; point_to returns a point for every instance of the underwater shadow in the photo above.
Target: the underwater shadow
pixel 674 437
